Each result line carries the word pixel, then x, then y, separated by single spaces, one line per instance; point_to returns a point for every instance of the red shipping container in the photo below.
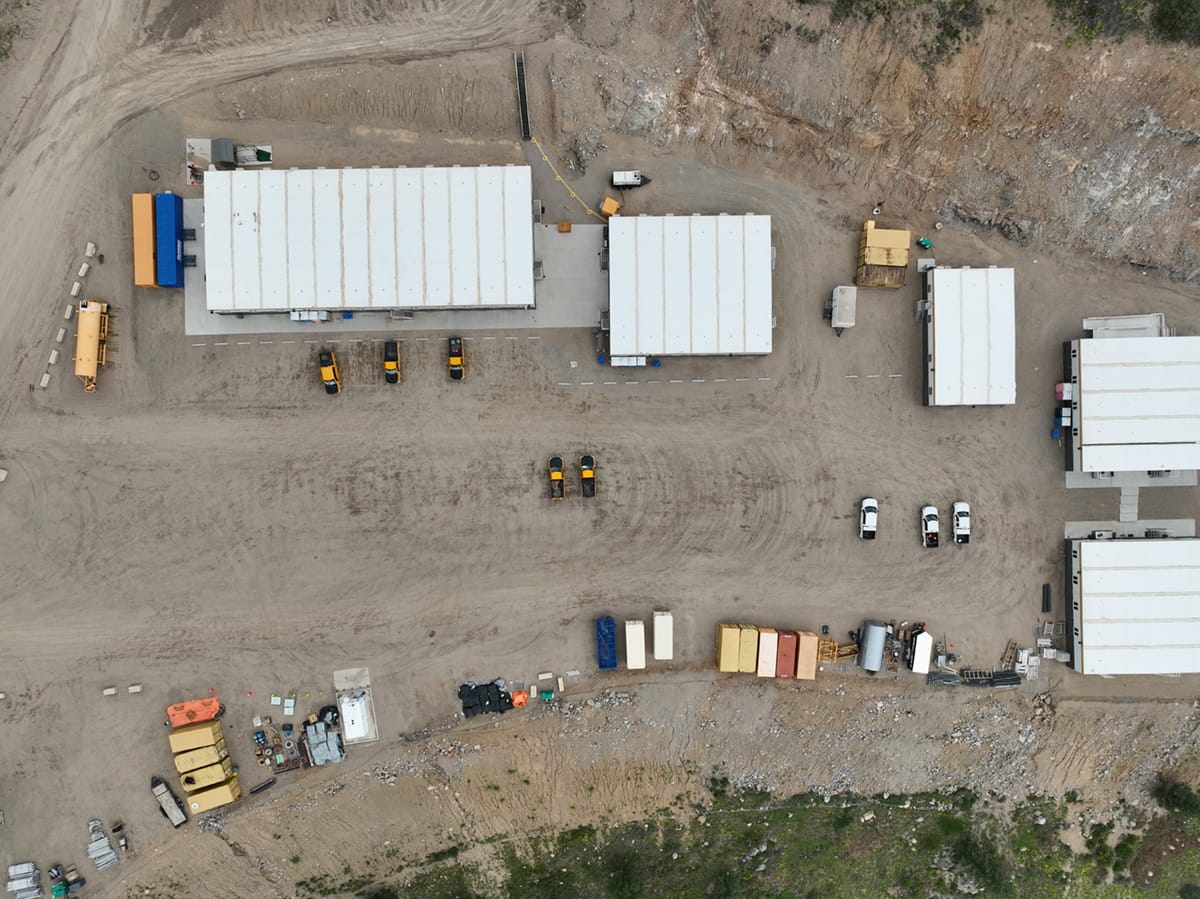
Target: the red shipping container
pixel 785 661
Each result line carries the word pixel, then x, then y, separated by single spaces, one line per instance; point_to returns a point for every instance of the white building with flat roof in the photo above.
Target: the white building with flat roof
pixel 1135 404
pixel 970 337
pixel 1134 606
pixel 368 239
pixel 689 285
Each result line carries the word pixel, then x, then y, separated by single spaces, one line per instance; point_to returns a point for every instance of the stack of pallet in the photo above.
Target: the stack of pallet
pixel 766 651
pixel 882 257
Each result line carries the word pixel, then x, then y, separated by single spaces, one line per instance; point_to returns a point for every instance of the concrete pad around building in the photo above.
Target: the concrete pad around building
pixel 1083 479
pixel 1177 527
pixel 572 294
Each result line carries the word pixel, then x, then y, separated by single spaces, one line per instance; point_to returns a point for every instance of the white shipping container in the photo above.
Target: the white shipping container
pixel 664 636
pixel 768 651
pixel 635 645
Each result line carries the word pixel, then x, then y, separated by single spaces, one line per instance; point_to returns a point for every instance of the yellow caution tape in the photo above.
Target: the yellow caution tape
pixel 574 196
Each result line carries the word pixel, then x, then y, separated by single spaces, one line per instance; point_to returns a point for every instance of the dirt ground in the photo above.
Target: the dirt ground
pixel 210 519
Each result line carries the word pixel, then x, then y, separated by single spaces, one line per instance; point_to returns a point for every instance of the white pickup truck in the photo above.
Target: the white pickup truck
pixel 962 522
pixel 929 527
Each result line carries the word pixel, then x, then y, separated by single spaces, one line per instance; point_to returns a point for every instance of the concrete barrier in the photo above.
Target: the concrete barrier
pixel 90 250
pixel 54 357
pixel 76 288
pixel 83 270
pixel 67 314
pixel 45 380
pixel 62 332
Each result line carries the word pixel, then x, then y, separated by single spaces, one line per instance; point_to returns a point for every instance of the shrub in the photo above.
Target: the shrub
pixel 1177 20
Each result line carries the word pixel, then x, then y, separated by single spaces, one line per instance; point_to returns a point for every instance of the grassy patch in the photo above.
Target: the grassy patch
pixel 942 24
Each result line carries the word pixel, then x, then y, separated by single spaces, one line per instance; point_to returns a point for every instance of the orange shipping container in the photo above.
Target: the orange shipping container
pixel 806 655
pixel 785 659
pixel 143 241
pixel 748 649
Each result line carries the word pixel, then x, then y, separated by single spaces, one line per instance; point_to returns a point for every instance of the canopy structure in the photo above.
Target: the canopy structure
pixel 368 239
pixel 694 285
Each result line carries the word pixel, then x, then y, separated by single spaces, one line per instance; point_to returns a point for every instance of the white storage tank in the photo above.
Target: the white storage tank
pixel 872 641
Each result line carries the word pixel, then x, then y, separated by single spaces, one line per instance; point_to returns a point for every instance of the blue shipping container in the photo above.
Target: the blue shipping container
pixel 168 227
pixel 606 642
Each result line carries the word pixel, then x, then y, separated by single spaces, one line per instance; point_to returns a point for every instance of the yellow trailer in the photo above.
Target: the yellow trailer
pixel 202 757
pixel 91 341
pixel 195 736
pixel 209 776
pixel 748 649
pixel 729 638
pixel 214 797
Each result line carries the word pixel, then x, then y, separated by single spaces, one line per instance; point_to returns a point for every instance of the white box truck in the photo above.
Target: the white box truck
pixel 635 645
pixel 664 637
pixel 628 179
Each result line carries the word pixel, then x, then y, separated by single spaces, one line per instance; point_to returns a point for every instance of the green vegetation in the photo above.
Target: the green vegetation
pixel 1177 20
pixel 1177 797
pixel 10 25
pixel 1173 21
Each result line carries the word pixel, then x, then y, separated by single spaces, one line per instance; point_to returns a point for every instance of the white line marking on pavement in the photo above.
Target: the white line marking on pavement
pixel 676 381
pixel 764 379
pixel 220 344
pixel 654 382
pixel 199 344
pixel 851 377
pixel 378 339
pixel 609 383
pixel 243 343
pixel 310 341
pixel 720 380
pixel 565 384
pixel 485 338
pixel 287 341
pixel 586 383
pixel 512 338
pixel 741 379
pixel 533 338
pixel 422 338
pixel 631 382
pixel 895 376
pixel 265 342
pixel 697 380
pixel 869 377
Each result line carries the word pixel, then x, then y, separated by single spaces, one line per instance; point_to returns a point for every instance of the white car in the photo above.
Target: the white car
pixel 868 518
pixel 962 522
pixel 929 526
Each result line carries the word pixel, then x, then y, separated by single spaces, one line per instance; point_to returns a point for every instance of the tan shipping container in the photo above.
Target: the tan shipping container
pixel 806 655
pixel 748 649
pixel 209 776
pixel 214 797
pixel 194 736
pixel 729 639
pixel 202 757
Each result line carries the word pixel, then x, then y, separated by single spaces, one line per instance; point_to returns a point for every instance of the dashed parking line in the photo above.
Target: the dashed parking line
pixel 310 341
pixel 419 339
pixel 566 384
pixel 586 383
pixel 631 382
pixel 487 338
pixel 697 380
pixel 764 379
pixel 895 376
pixel 287 341
pixel 220 344
pixel 512 338
pixel 851 377
pixel 199 344
pixel 741 379
pixel 265 342
pixel 609 383
pixel 654 382
pixel 675 381
pixel 531 337
pixel 869 377
pixel 720 380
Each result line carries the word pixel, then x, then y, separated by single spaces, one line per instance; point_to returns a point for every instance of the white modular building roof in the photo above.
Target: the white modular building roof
pixel 689 285
pixel 1138 404
pixel 1137 606
pixel 362 239
pixel 972 337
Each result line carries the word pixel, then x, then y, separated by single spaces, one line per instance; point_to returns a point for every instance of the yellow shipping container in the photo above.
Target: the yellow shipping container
pixel 748 649
pixel 209 776
pixel 194 736
pixel 729 639
pixel 214 797
pixel 202 757
pixel 806 655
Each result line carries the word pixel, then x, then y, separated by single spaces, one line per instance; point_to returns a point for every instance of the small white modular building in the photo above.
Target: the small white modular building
pixel 664 636
pixel 635 645
pixel 970 336
pixel 368 239
pixel 1134 606
pixel 1135 404
pixel 689 285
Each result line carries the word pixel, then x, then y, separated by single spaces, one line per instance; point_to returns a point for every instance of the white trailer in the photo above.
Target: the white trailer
pixel 842 307
pixel 664 636
pixel 922 652
pixel 635 645
pixel 768 651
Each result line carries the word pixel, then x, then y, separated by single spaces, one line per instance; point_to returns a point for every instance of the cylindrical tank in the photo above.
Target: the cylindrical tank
pixel 871 643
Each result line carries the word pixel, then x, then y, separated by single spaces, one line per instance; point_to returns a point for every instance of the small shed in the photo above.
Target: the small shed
pixel 882 256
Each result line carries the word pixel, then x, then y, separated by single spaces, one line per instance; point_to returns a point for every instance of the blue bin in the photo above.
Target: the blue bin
pixel 347 315
pixel 600 359
pixel 656 363
pixel 1055 433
